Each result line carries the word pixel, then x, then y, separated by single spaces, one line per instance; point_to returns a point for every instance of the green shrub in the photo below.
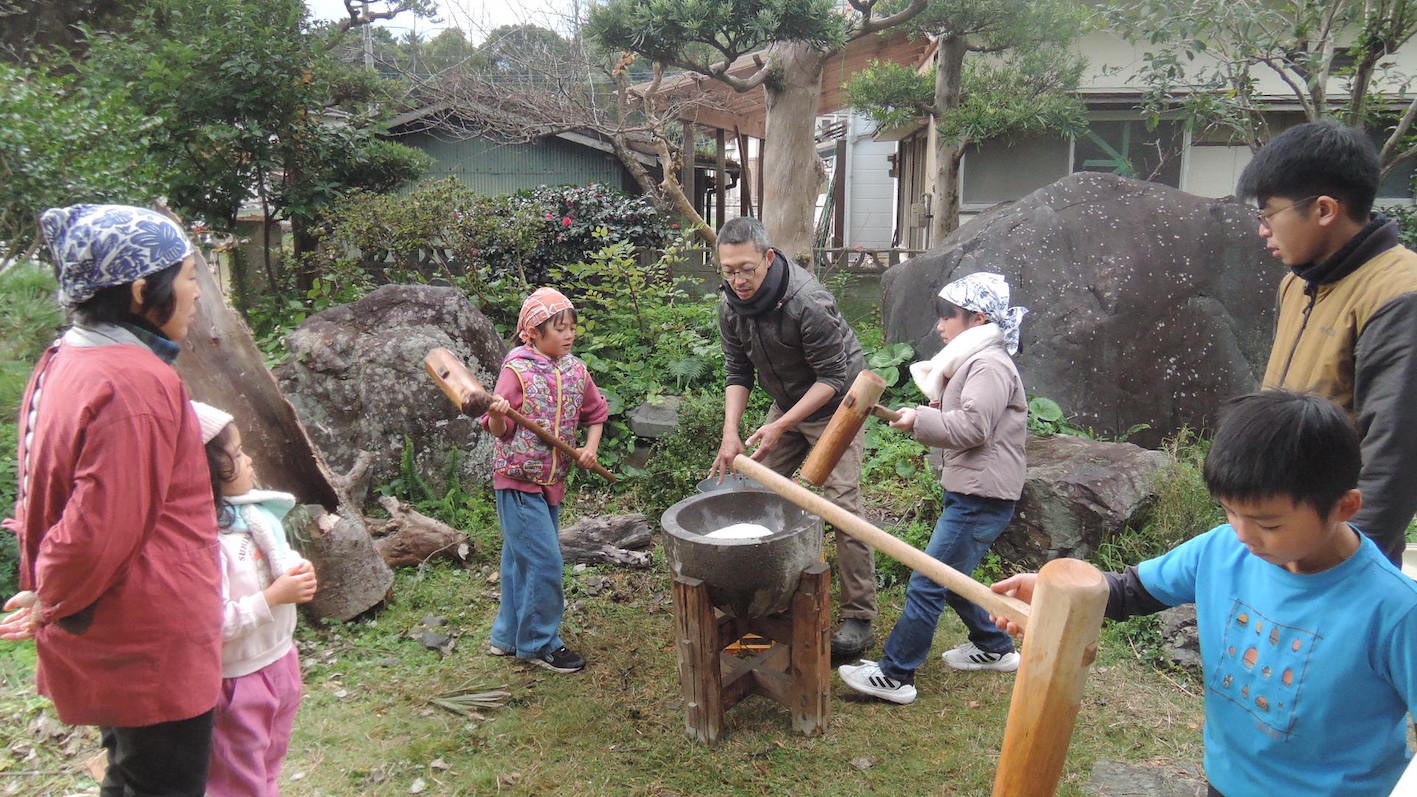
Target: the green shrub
pixel 641 336
pixel 473 511
pixel 1182 508
pixel 679 461
pixel 495 247
pixel 29 321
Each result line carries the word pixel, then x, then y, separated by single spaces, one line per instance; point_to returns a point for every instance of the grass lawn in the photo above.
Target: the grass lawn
pixel 366 726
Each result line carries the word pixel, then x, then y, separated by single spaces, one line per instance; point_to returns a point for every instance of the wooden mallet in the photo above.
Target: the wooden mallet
pixel 859 402
pixel 468 395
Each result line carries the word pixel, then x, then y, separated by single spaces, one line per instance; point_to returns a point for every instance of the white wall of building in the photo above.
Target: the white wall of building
pixel 870 190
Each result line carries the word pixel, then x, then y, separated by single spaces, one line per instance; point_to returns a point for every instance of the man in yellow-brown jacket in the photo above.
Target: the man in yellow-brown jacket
pixel 1347 309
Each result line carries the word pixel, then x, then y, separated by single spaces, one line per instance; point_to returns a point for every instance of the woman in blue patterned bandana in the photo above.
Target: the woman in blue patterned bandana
pixel 118 540
pixel 978 416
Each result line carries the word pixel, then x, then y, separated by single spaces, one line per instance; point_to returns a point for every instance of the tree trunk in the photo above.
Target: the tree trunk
pixel 221 365
pixel 608 540
pixel 949 74
pixel 412 538
pixel 792 177
pixel 303 241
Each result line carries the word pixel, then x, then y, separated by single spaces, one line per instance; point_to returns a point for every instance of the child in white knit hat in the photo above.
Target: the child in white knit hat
pixel 262 580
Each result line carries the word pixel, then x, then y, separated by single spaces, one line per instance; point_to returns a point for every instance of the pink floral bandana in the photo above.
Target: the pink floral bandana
pixel 542 304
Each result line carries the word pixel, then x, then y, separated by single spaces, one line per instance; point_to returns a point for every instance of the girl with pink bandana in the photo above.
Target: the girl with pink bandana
pixel 549 385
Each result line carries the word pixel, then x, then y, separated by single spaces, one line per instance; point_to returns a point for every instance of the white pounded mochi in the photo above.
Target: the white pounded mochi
pixel 740 531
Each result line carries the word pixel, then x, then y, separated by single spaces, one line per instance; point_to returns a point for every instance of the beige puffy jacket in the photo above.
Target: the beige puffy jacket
pixel 981 425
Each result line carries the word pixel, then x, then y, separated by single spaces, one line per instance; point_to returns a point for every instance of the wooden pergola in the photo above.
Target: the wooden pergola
pixel 725 111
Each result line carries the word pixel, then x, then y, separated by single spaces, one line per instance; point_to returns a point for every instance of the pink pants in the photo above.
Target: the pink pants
pixel 251 729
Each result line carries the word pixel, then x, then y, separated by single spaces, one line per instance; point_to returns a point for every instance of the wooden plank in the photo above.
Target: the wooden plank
pixel 810 668
pixel 697 649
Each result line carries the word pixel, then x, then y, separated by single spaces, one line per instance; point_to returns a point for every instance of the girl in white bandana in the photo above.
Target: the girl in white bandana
pixel 978 416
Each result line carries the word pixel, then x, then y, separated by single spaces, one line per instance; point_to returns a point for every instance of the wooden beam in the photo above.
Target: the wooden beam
pixel 720 176
pixel 686 173
pixel 745 182
pixel 760 179
pixel 697 649
pixel 839 196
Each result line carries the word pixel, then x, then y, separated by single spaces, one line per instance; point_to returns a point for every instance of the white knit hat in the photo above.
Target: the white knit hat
pixel 211 419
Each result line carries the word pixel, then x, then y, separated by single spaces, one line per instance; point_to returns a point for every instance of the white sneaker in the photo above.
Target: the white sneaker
pixel 868 679
pixel 969 657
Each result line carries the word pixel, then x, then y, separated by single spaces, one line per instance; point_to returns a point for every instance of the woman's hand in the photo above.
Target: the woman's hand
pixel 23 617
pixel 296 586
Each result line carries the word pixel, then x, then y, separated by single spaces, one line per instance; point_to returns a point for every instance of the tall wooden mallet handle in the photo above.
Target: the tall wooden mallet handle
pixel 468 395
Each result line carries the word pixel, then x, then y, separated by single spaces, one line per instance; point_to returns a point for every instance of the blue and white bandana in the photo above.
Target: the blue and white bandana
pixel 988 293
pixel 99 246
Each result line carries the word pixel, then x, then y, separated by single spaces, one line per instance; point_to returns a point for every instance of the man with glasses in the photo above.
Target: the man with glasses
pixel 781 329
pixel 1347 309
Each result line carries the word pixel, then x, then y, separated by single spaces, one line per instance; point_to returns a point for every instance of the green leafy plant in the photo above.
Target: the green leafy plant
pixel 1046 417
pixel 886 361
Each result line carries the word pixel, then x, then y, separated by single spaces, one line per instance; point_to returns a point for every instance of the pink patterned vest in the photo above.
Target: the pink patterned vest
pixel 552 395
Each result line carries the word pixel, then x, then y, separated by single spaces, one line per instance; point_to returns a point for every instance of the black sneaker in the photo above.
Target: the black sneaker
pixel 851 637
pixel 562 659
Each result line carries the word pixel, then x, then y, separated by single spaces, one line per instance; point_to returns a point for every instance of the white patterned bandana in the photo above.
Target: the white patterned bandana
pixel 99 246
pixel 988 293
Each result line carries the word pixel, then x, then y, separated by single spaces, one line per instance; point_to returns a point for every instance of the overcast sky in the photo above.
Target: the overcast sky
pixel 473 17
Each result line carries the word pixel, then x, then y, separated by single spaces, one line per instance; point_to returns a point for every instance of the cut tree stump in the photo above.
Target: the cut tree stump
pixel 412 538
pixel 607 540
pixel 221 365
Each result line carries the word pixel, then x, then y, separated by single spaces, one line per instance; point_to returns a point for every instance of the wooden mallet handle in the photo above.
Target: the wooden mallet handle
pixel 914 558
pixel 468 395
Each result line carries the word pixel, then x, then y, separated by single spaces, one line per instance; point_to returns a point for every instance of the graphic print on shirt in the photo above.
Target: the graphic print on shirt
pixel 1261 667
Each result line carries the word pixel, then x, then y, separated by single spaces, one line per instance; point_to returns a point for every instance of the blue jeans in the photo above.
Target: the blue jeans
pixel 529 619
pixel 968 525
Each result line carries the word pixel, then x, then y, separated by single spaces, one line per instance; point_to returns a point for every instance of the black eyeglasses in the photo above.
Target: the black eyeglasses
pixel 731 274
pixel 1264 216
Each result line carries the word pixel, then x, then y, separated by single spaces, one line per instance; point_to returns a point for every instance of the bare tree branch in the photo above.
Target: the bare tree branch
pixel 869 25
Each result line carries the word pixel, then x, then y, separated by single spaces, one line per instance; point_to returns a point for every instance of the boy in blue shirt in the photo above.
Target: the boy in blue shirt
pixel 1308 633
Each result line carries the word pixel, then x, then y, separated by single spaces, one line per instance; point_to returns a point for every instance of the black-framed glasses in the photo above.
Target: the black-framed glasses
pixel 1264 216
pixel 731 274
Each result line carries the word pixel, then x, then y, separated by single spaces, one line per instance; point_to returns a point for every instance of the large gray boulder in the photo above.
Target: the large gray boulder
pixel 1078 493
pixel 1147 304
pixel 356 379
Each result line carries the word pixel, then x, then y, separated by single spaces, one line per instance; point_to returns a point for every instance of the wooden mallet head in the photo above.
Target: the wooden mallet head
pixel 856 405
pixel 457 382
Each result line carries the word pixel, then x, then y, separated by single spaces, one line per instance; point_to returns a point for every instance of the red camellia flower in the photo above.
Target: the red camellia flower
pixel 673 226
pixel 566 222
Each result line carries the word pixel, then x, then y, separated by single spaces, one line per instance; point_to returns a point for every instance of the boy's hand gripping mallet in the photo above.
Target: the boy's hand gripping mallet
pixel 859 402
pixel 468 395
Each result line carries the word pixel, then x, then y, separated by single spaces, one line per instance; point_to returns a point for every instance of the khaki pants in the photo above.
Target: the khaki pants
pixel 856 565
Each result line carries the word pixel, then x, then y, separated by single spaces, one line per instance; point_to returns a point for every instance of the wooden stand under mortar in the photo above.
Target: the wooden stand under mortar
pixel 795 670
